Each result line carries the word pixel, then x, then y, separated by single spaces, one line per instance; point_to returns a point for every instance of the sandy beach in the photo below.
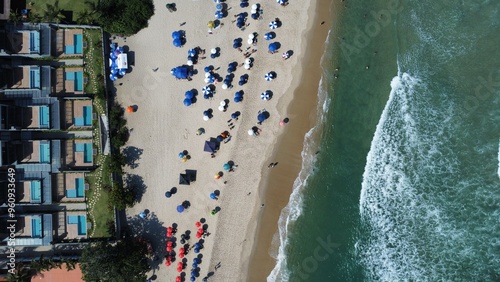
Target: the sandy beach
pixel 162 127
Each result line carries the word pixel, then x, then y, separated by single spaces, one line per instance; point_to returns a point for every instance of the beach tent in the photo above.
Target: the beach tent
pixel 210 147
pixel 121 61
pixel 184 179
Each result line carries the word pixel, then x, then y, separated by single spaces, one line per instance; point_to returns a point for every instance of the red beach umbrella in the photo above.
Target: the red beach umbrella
pixel 181 255
pixel 179 269
pixel 169 229
pixel 168 263
pixel 198 224
pixel 181 250
pixel 200 230
pixel 169 248
pixel 178 279
pixel 169 243
pixel 180 264
pixel 130 109
pixel 198 235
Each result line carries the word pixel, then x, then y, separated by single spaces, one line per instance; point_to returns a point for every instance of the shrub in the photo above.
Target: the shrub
pixel 125 17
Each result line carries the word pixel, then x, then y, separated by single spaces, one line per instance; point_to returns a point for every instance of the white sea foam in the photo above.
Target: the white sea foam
pixel 293 209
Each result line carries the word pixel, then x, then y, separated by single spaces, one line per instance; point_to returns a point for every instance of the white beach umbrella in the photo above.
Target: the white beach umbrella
pixel 250 132
pixel 248 61
pixel 254 11
pixel 207 74
pixel 213 51
pixel 250 41
pixel 221 108
pixel 273 25
pixel 254 7
pixel 222 103
pixel 268 76
pixel 224 86
pixel 206 118
pixel 206 80
pixel 247 66
pixel 251 36
pixel 189 63
pixel 264 96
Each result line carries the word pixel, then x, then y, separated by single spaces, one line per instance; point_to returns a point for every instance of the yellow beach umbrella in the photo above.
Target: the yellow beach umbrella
pixel 211 24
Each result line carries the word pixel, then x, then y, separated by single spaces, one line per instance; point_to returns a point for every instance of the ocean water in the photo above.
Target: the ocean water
pixel 401 175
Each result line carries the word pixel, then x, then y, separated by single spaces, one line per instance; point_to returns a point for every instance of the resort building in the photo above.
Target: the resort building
pixel 46 137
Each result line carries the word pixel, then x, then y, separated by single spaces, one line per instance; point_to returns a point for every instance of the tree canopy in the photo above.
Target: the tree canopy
pixel 125 260
pixel 124 17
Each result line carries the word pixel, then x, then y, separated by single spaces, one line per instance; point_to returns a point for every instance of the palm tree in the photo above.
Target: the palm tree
pixel 35 18
pixel 23 274
pixel 14 17
pixel 53 13
pixel 85 17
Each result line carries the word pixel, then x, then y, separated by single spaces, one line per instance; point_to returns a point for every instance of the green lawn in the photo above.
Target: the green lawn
pixel 71 6
pixel 94 62
pixel 97 198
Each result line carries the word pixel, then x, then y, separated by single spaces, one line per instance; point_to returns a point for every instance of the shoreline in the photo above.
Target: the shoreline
pixel 286 152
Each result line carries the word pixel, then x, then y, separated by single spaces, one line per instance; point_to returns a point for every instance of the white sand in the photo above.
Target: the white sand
pixel 163 126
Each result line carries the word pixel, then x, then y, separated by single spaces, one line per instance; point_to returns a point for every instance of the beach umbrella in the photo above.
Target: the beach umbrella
pixel 213 51
pixel 169 243
pixel 187 102
pixel 114 71
pixel 211 24
pixel 226 166
pixel 268 76
pixel 192 279
pixel 178 279
pixel 189 62
pixel 207 69
pixel 265 96
pixel 273 25
pixel 206 96
pixel 282 123
pixel 197 224
pixel 273 47
pixel 221 108
pixel 197 236
pixel 251 36
pixel 261 117
pixel 168 194
pixel 177 42
pixel 189 94
pixel 237 99
pixel 206 118
pixel 191 53
pixel 222 103
pixel 168 263
pixel 241 82
pixel 224 86
pixel 248 61
pixel 130 109
pixel 268 36
pixel 218 7
pixel 112 77
pixel 240 24
pixel 180 208
pixel 217 176
pixel 206 90
pixel 181 155
pixel 281 2
pixel 213 196
pixel 176 35
pixel 206 114
pixel 250 132
pixel 169 248
pixel 237 40
pixel 255 7
pixel 207 74
pixel 236 45
pixel 238 94
pixel 247 66
pixel 250 41
pixel 219 15
pixel 234 115
pixel 255 16
pixel 182 251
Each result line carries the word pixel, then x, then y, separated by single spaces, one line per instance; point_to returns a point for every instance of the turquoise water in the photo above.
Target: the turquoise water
pixel 78 39
pixel 45 153
pixel 36 191
pixel 79 187
pixel 405 186
pixel 44 116
pixel 80 221
pixel 88 153
pixel 36 227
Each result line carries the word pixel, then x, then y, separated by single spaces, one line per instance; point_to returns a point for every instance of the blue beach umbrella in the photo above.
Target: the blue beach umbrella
pixel 114 71
pixel 213 196
pixel 238 94
pixel 213 56
pixel 189 94
pixel 261 117
pixel 206 90
pixel 206 96
pixel 234 115
pixel 273 25
pixel 177 42
pixel 255 16
pixel 265 96
pixel 196 250
pixel 206 113
pixel 268 36
pixel 243 4
pixel 176 35
pixel 237 99
pixel 181 155
pixel 192 278
pixel 237 40
pixel 218 7
pixel 207 69
pixel 187 102
pixel 112 77
pixel 191 52
pixel 226 167
pixel 273 47
pixel 219 15
pixel 168 194
pixel 180 208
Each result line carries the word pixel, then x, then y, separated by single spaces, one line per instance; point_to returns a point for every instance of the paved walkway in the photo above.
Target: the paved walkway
pixel 72 62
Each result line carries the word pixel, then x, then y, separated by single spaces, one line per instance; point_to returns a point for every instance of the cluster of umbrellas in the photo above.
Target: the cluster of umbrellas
pixel 241 19
pixel 255 11
pixel 232 67
pixel 243 3
pixel 207 115
pixel 222 106
pixel 192 57
pixel 189 97
pixel 238 96
pixel 248 63
pixel 209 78
pixel 179 39
pixel 181 72
pixel 214 53
pixel 182 207
pixel 117 62
pixel 243 79
pixel 219 13
pixel 227 82
pixel 237 43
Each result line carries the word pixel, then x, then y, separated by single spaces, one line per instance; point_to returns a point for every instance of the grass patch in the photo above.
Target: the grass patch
pixel 94 61
pixel 70 8
pixel 98 198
